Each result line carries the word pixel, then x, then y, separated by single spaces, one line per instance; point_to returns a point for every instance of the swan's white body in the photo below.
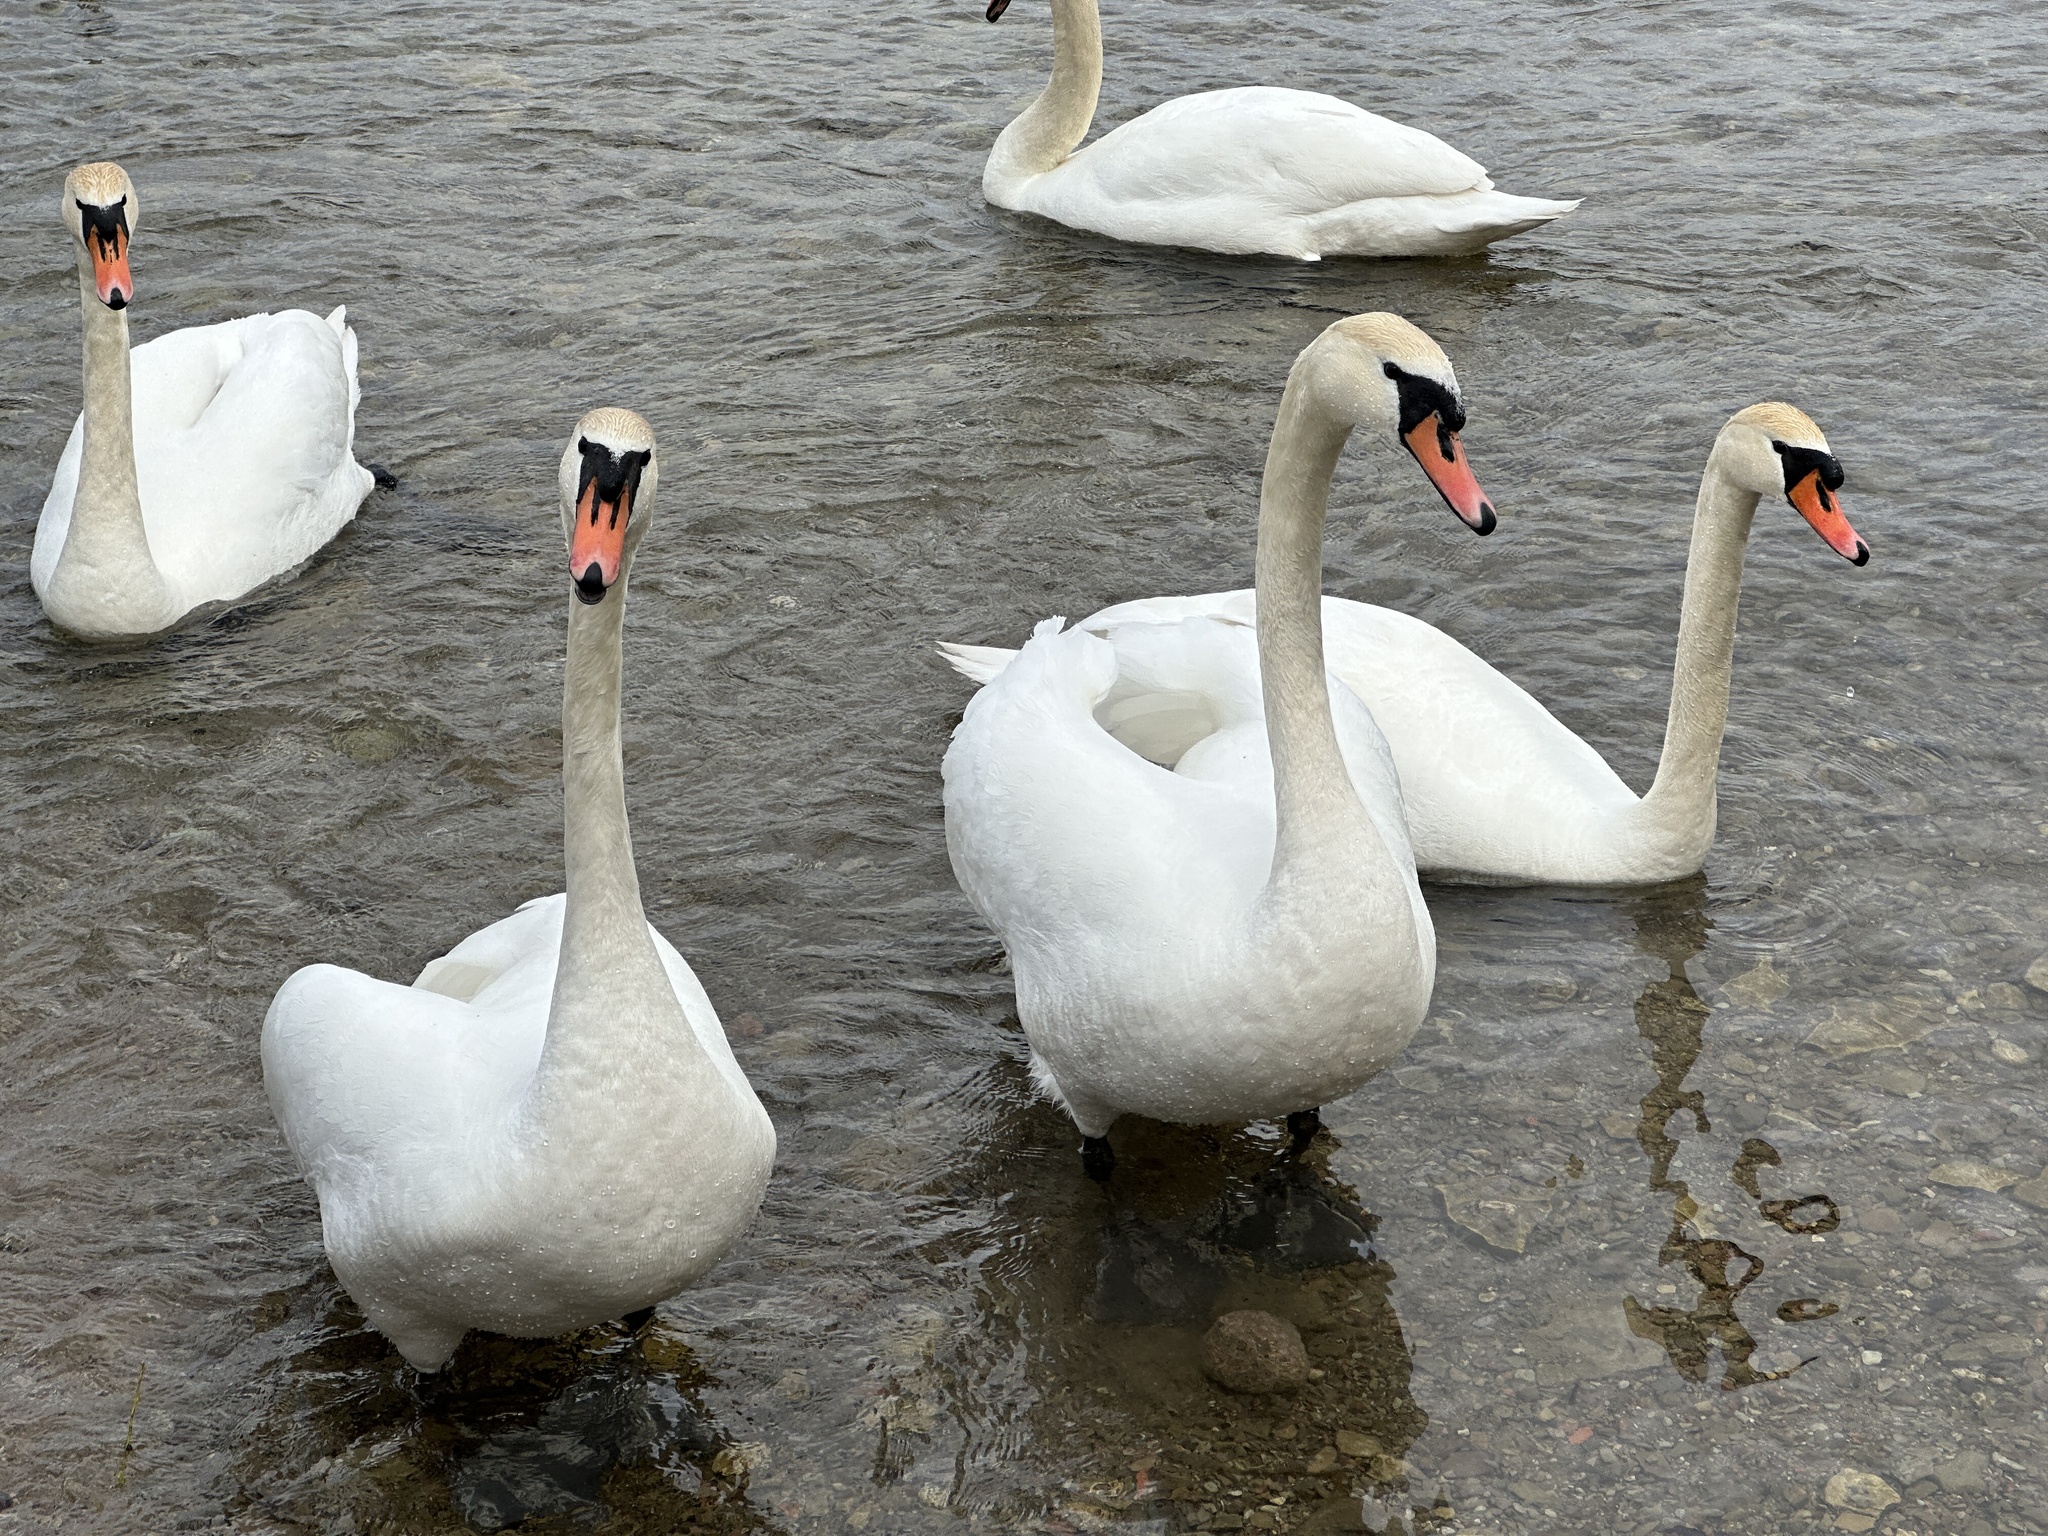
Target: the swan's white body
pixel 1495 788
pixel 1256 170
pixel 547 1129
pixel 1237 935
pixel 204 464
pixel 244 466
pixel 443 1204
pixel 1156 972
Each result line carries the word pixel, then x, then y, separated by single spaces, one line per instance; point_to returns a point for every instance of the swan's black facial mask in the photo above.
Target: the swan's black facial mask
pixel 1812 476
pixel 105 230
pixel 1430 420
pixel 605 490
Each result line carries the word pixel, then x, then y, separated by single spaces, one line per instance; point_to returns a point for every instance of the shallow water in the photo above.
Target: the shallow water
pixel 890 416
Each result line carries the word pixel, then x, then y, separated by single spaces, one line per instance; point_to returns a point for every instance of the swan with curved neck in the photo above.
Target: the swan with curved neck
pixel 1256 170
pixel 205 463
pixel 1239 934
pixel 1496 789
pixel 547 1129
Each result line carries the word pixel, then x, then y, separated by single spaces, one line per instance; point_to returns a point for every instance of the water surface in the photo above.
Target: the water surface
pixel 1542 1264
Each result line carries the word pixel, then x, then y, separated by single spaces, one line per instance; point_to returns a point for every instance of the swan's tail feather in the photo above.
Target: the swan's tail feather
pixel 976 663
pixel 339 320
pixel 1539 209
pixel 1454 225
pixel 1496 215
pixel 981 663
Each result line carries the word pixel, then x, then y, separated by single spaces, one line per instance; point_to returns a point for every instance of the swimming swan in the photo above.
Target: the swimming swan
pixel 547 1129
pixel 205 463
pixel 1495 788
pixel 1233 932
pixel 1257 170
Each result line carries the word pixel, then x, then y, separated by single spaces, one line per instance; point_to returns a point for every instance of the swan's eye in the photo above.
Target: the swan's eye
pixel 106 227
pixel 1811 478
pixel 1422 398
pixel 608 485
pixel 104 231
pixel 1801 462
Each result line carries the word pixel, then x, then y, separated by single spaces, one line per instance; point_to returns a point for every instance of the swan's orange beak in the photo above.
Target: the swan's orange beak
pixel 606 486
pixel 1823 508
pixel 109 250
pixel 1437 450
pixel 597 546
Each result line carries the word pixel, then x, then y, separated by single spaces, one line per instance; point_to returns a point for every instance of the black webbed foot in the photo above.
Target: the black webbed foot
pixel 635 1322
pixel 1098 1161
pixel 1303 1126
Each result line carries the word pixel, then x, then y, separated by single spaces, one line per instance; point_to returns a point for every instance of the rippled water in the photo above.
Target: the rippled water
pixel 890 416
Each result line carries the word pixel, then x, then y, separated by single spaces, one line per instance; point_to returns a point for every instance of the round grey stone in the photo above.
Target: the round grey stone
pixel 1254 1352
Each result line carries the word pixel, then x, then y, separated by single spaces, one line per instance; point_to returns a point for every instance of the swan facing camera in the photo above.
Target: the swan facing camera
pixel 607 469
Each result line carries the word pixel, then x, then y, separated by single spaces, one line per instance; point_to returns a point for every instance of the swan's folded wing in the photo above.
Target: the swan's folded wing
pixel 703 1018
pixel 248 475
pixel 360 1070
pixel 287 399
pixel 979 663
pixel 54 526
pixel 1297 152
pixel 1056 828
pixel 1228 607
pixel 1474 749
pixel 355 1066
pixel 1188 693
pixel 509 966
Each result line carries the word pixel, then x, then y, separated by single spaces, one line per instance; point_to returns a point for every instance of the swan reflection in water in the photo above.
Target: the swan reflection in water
pixel 1672 924
pixel 1095 1306
pixel 597 1428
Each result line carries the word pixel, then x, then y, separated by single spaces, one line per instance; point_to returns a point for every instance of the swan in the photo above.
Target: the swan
pixel 1497 790
pixel 205 463
pixel 547 1129
pixel 1254 171
pixel 1239 935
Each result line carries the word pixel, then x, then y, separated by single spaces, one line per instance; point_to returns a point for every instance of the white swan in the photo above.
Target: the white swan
pixel 1495 788
pixel 1258 170
pixel 204 464
pixel 547 1129
pixel 1240 935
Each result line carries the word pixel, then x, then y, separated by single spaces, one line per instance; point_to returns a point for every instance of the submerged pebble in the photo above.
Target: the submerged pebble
pixel 1863 1493
pixel 2037 974
pixel 1252 1351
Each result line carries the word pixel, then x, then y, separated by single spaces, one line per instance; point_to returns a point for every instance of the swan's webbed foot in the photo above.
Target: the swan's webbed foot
pixel 636 1322
pixel 1098 1161
pixel 1303 1126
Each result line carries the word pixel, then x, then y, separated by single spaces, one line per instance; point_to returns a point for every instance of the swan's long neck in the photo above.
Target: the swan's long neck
pixel 1680 803
pixel 616 1035
pixel 1046 132
pixel 106 561
pixel 1323 831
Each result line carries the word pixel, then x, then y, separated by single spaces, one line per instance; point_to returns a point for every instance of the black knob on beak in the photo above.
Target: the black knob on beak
pixel 590 585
